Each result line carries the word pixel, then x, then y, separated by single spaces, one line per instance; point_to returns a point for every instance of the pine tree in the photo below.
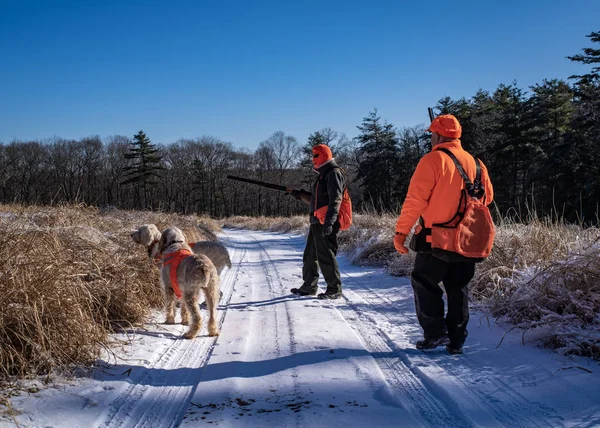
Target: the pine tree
pixel 552 169
pixel 378 162
pixel 589 56
pixel 145 167
pixel 585 137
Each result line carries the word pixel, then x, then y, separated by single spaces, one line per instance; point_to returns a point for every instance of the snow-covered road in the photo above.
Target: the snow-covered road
pixel 284 361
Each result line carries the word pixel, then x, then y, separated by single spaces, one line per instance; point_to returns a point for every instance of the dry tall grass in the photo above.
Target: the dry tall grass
pixel 70 275
pixel 295 224
pixel 544 277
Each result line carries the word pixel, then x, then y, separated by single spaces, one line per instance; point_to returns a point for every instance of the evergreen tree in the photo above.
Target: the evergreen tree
pixel 413 144
pixel 145 166
pixel 589 56
pixel 552 171
pixel 378 162
pixel 509 152
pixel 586 132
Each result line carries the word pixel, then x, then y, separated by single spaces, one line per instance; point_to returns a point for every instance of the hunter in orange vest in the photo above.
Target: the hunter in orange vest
pixel 434 193
pixel 324 212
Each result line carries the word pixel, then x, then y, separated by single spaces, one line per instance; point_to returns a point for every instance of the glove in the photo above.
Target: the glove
pixel 296 194
pixel 299 195
pixel 327 229
pixel 399 240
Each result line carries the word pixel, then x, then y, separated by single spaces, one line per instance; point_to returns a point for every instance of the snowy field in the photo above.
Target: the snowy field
pixel 287 361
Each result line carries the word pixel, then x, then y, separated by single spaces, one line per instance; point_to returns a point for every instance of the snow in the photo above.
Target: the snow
pixel 283 360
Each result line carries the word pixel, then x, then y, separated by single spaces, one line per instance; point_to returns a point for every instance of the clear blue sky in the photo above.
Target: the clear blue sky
pixel 241 70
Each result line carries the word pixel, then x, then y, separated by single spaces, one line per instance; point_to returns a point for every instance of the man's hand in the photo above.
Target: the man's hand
pixel 295 194
pixel 327 229
pixel 299 195
pixel 399 240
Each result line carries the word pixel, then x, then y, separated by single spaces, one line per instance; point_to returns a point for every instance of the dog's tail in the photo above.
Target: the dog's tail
pixel 208 235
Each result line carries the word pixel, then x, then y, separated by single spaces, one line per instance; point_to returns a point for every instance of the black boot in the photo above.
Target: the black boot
pixel 302 291
pixel 330 294
pixel 429 343
pixel 454 349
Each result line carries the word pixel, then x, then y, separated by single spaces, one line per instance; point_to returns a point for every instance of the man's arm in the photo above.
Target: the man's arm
pixel 336 183
pixel 419 191
pixel 487 185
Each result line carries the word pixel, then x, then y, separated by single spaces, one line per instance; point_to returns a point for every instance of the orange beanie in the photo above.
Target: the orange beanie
pixel 321 154
pixel 446 125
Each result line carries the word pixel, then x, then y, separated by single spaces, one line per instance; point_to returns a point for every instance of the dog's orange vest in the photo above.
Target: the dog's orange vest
pixel 173 260
pixel 158 258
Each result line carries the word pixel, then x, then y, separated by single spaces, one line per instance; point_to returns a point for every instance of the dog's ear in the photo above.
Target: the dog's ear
pixel 162 244
pixel 179 235
pixel 154 232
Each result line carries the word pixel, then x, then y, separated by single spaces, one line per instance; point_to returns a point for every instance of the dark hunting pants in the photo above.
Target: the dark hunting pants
pixel 320 253
pixel 428 272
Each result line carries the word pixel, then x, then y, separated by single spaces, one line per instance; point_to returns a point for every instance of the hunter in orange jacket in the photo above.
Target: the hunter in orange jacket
pixel 434 190
pixel 434 195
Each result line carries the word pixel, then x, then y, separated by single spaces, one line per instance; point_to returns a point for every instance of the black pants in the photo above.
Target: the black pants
pixel 428 272
pixel 320 252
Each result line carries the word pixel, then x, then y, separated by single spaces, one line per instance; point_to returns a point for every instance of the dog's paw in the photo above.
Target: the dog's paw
pixel 214 332
pixel 185 322
pixel 190 335
pixel 170 321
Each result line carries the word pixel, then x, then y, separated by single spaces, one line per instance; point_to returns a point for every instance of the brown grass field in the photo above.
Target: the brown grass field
pixel 71 275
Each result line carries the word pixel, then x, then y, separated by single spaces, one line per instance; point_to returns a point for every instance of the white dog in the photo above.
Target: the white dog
pixel 149 235
pixel 183 275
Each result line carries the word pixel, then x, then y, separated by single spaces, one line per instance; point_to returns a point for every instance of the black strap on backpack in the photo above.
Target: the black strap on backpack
pixel 475 189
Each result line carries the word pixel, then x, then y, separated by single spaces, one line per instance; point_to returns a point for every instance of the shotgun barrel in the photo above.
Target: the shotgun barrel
pixel 261 183
pixel 430 111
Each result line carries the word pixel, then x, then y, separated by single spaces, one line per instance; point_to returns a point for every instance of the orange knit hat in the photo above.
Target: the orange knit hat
pixel 446 125
pixel 321 154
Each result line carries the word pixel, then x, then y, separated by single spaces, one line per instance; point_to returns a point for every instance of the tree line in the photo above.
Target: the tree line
pixel 541 146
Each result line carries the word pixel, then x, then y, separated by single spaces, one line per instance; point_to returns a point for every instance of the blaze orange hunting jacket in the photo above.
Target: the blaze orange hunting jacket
pixel 434 190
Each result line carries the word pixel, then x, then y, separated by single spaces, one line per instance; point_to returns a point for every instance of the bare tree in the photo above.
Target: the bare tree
pixel 113 164
pixel 284 151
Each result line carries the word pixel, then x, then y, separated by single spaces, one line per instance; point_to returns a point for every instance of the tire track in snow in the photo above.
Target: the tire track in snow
pixel 416 396
pixel 149 401
pixel 507 406
pixel 285 340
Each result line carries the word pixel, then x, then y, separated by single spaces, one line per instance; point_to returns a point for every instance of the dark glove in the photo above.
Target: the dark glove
pixel 296 194
pixel 327 229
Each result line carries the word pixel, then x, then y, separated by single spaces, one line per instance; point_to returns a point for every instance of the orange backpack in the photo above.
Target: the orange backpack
pixel 470 233
pixel 345 213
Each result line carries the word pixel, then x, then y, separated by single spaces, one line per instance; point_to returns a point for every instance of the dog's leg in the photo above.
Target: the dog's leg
pixel 185 318
pixel 213 295
pixel 191 302
pixel 170 306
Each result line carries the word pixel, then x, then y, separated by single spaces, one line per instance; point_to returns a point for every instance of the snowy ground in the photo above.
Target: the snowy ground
pixel 284 361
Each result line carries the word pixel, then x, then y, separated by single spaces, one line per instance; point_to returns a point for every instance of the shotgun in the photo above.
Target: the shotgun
pixel 261 183
pixel 300 195
pixel 431 116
